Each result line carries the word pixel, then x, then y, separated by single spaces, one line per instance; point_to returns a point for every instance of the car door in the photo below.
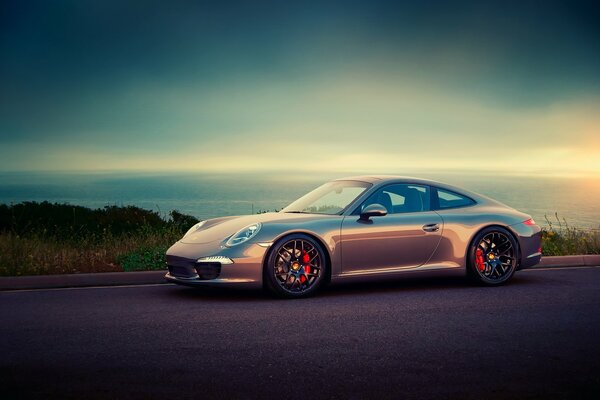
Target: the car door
pixel 404 238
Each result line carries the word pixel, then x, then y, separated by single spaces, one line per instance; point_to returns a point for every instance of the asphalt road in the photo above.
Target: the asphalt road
pixel 538 337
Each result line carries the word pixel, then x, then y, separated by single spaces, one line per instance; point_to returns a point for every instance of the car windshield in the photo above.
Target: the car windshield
pixel 331 198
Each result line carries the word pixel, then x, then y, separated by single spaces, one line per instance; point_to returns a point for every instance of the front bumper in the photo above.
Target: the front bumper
pixel 245 271
pixel 195 282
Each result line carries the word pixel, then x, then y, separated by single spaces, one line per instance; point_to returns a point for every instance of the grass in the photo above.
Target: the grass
pixel 46 238
pixel 560 239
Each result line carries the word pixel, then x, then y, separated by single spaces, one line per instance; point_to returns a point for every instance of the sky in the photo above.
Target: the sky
pixel 232 86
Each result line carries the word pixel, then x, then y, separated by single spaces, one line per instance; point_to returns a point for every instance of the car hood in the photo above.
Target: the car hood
pixel 219 229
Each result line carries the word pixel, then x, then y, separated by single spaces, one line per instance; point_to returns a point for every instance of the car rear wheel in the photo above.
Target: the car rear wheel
pixel 493 256
pixel 296 267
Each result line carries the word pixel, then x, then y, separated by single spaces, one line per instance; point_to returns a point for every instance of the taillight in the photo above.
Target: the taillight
pixel 529 222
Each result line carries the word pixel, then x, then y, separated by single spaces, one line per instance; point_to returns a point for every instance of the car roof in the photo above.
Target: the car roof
pixel 378 180
pixel 388 178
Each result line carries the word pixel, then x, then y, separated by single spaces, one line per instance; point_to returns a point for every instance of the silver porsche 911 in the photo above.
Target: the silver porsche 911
pixel 360 228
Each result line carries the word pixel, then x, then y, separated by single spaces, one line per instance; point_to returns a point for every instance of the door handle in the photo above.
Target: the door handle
pixel 431 227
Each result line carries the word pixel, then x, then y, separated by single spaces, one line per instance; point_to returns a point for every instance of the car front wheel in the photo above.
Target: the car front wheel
pixel 296 267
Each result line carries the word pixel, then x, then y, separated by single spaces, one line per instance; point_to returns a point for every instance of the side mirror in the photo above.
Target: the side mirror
pixel 373 210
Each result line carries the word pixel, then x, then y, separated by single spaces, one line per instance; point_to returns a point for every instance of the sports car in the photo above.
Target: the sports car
pixel 359 228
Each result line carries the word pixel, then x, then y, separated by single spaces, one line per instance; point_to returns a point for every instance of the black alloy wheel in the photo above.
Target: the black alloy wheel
pixel 296 267
pixel 493 256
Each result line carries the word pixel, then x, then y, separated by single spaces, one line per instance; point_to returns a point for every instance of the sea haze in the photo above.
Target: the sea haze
pixel 206 196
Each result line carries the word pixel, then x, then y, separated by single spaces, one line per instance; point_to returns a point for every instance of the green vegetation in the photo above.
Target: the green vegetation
pixel 45 238
pixel 559 239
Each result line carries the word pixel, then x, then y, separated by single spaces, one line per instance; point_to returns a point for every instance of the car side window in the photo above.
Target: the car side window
pixel 448 199
pixel 401 198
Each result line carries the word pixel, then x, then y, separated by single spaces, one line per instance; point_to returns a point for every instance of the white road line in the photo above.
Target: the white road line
pixel 558 268
pixel 84 287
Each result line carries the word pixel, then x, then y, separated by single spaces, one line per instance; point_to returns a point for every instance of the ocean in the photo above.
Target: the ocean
pixel 574 200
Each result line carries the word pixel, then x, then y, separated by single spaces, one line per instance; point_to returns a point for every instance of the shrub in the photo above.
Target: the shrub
pixel 143 259
pixel 561 239
pixel 181 221
pixel 66 221
pixel 46 238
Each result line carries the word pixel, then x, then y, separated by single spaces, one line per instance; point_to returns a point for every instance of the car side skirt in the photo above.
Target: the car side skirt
pixel 424 271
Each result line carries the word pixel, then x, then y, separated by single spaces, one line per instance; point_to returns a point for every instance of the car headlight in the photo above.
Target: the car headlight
pixel 194 228
pixel 243 235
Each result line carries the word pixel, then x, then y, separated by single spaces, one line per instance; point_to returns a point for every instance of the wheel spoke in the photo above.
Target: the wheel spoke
pixel 287 251
pixel 501 247
pixel 499 270
pixel 506 259
pixel 291 279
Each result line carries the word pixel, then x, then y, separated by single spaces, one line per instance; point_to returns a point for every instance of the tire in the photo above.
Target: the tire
pixel 296 267
pixel 493 255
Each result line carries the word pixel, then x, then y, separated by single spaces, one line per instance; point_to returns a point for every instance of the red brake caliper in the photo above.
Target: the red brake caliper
pixel 479 260
pixel 306 262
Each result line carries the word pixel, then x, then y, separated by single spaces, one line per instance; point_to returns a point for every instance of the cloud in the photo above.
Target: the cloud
pixel 347 123
pixel 371 86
